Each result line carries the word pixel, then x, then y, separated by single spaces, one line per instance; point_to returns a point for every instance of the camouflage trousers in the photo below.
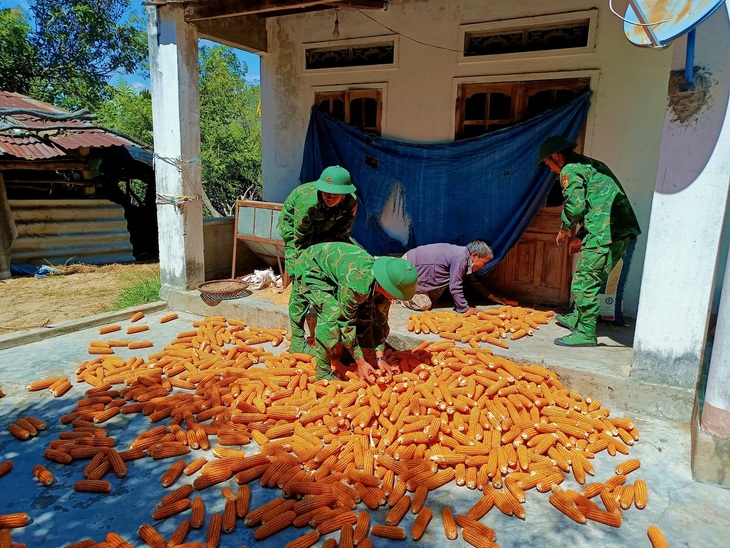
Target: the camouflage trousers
pixel 327 332
pixel 594 266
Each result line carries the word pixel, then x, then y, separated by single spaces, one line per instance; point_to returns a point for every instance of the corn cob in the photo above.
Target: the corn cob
pixel 281 521
pixel 45 477
pixel 214 531
pixel 178 494
pixel 398 510
pixel 362 527
pixel 172 474
pixel 421 522
pixel 473 537
pixel 93 486
pixel 10 521
pixel 627 497
pixel 346 536
pixel 305 541
pixel 388 531
pixel 566 506
pixel 197 514
pixel 640 494
pixel 601 516
pixel 465 522
pixel 178 535
pixel 656 537
pixel 171 509
pixel 150 535
pixel 335 521
pixel 229 517
pixel 254 516
pixel 628 466
pixel 450 530
pixel 5 467
pixel 117 463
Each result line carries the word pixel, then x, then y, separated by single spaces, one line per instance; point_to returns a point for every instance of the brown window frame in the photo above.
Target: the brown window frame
pixel 520 92
pixel 347 97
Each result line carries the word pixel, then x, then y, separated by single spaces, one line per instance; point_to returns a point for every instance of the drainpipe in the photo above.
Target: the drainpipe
pixel 689 63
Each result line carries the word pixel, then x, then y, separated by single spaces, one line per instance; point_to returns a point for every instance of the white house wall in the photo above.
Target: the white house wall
pixel 684 266
pixel 628 104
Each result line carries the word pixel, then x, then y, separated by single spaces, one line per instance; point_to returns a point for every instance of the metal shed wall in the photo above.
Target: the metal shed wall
pixel 54 231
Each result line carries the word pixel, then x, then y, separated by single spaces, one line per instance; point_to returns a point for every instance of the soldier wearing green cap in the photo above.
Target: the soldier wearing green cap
pixel 321 211
pixel 595 200
pixel 347 285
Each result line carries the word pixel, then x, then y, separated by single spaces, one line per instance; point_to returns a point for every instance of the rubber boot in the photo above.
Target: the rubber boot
pixel 567 321
pixel 577 339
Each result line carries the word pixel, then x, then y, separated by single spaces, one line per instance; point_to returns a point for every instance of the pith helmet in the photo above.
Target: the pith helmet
pixel 554 143
pixel 397 276
pixel 335 180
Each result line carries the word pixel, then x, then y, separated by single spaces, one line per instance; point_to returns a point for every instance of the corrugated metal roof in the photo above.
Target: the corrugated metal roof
pixel 33 136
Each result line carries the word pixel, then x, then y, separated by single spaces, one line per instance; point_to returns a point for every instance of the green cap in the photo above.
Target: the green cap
pixel 397 276
pixel 554 143
pixel 334 180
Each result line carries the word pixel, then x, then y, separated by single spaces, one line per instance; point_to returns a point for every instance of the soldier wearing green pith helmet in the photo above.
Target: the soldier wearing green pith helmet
pixel 321 211
pixel 345 284
pixel 595 200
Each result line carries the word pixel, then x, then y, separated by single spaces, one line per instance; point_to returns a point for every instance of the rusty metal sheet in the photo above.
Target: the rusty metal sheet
pixel 54 231
pixel 38 143
pixel 655 23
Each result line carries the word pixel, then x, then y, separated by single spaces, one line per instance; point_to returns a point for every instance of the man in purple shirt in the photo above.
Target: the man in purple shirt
pixel 444 265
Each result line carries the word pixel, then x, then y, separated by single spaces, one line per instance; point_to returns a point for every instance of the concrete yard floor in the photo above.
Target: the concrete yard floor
pixel 689 513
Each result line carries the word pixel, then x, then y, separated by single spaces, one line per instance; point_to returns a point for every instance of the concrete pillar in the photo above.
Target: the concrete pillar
pixel 716 410
pixel 176 114
pixel 685 227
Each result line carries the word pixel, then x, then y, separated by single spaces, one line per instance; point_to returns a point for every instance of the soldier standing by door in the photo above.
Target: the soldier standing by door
pixel 595 200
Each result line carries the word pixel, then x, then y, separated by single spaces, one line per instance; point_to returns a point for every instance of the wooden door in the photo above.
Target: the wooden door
pixel 535 269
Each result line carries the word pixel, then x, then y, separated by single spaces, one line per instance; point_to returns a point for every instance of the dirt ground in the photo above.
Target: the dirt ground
pixel 82 290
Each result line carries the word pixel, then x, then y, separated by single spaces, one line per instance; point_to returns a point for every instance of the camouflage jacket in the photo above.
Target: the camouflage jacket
pixel 595 199
pixel 306 220
pixel 346 271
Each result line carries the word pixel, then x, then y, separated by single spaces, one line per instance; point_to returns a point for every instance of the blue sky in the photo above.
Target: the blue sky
pixel 252 61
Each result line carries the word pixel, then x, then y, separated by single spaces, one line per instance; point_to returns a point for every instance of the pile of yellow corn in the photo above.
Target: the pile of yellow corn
pixel 493 326
pixel 454 414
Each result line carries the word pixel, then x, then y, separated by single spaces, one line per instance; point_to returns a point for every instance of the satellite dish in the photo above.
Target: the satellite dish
pixel 655 23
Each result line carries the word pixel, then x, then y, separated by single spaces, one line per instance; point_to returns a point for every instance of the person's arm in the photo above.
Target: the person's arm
pixel 456 285
pixel 574 190
pixel 297 234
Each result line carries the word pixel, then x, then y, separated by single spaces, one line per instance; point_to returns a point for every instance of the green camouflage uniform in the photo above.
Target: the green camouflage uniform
pixel 338 281
pixel 306 220
pixel 595 199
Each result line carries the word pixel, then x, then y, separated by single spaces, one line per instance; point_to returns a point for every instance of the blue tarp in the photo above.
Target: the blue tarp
pixel 487 187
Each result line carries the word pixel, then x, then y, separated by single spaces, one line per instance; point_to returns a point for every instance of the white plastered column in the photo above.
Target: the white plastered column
pixel 174 84
pixel 715 416
pixel 685 228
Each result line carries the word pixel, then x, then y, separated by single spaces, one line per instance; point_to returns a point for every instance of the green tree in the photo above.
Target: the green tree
pixel 128 111
pixel 72 51
pixel 230 127
pixel 18 66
